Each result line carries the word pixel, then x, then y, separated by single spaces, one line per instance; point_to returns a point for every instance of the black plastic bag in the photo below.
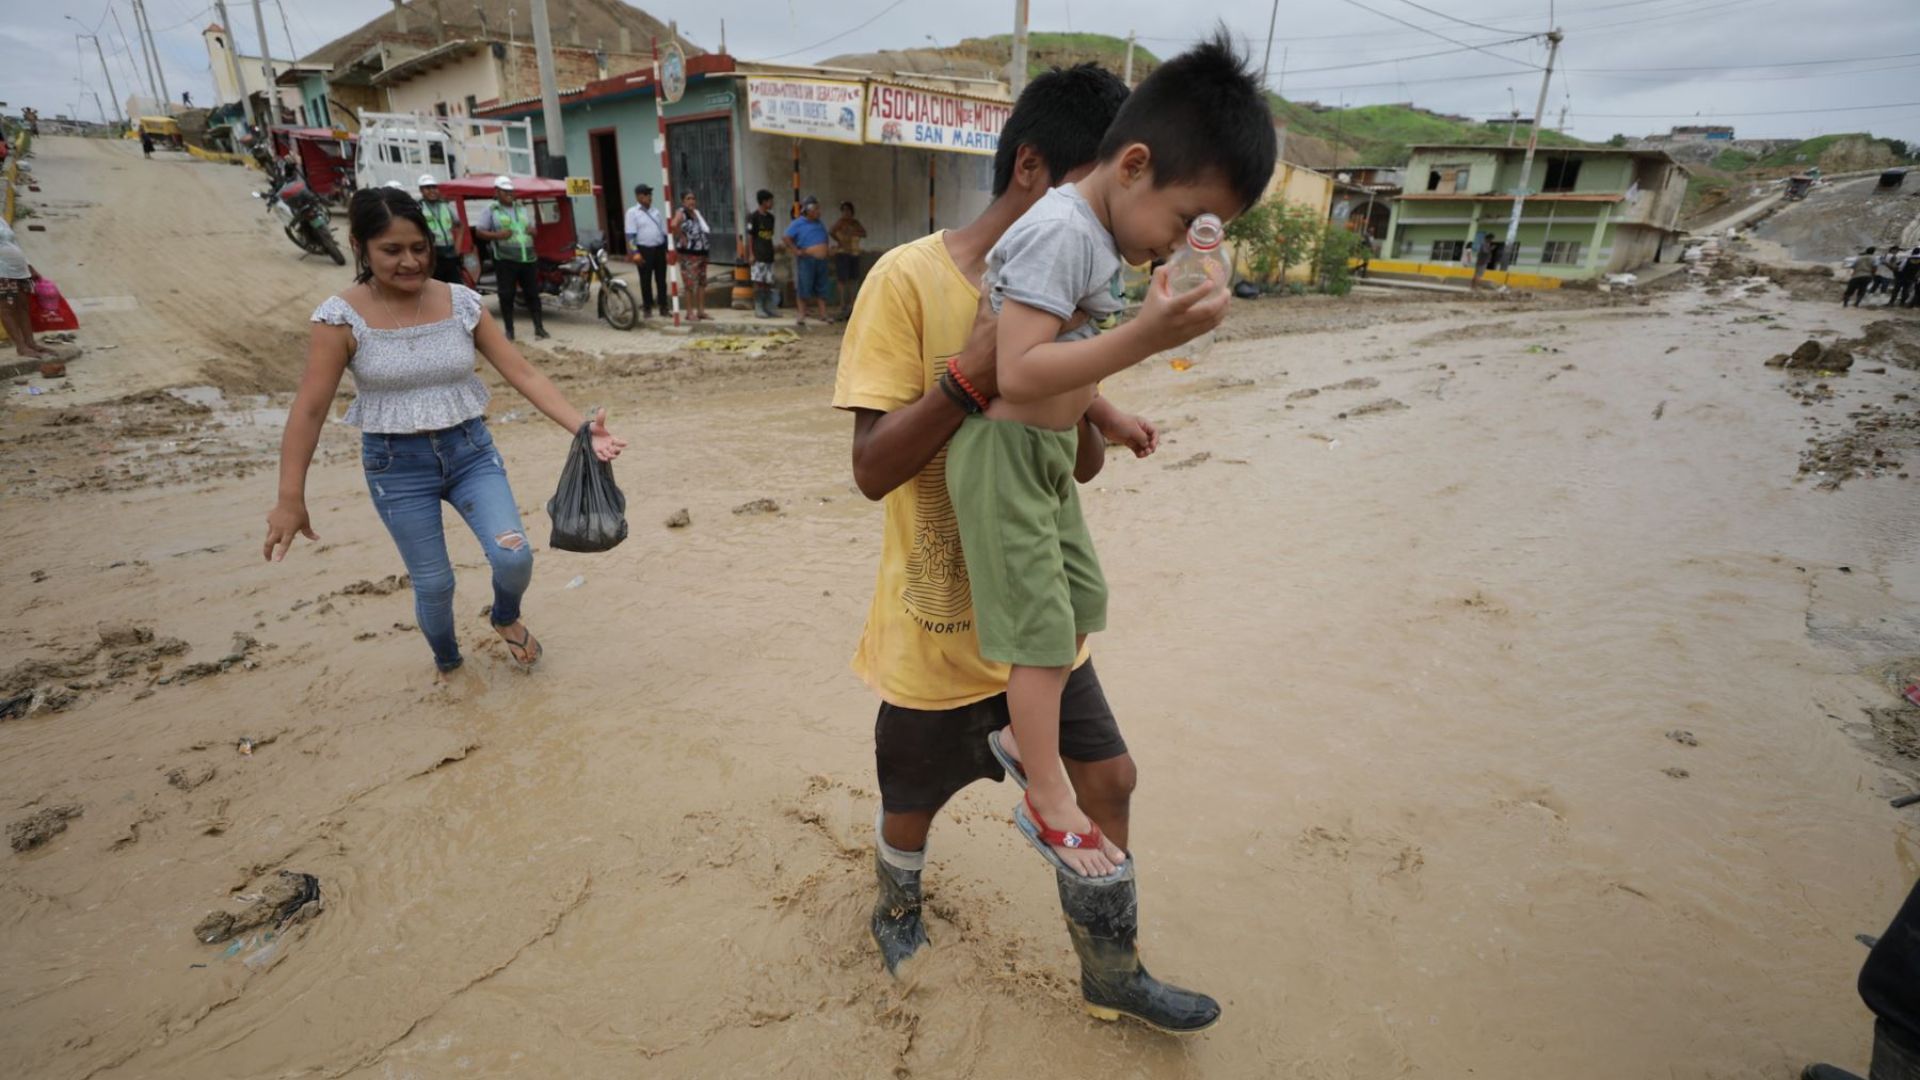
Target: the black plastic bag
pixel 588 511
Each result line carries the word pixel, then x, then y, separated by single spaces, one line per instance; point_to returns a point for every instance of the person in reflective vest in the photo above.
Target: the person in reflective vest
pixel 508 224
pixel 443 225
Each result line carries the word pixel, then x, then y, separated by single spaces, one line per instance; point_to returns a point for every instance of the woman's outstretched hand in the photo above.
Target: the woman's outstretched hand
pixel 606 445
pixel 285 521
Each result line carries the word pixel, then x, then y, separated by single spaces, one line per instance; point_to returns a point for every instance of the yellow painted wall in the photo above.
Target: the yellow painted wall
pixel 1296 184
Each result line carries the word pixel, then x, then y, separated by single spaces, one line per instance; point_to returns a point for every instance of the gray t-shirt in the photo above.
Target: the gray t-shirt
pixel 1059 259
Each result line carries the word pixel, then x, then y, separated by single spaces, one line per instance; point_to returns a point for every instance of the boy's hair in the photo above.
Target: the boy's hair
pixel 1201 112
pixel 763 195
pixel 847 206
pixel 1060 114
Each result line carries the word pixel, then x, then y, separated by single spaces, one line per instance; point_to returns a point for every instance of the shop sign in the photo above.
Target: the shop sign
pixel 930 120
pixel 808 108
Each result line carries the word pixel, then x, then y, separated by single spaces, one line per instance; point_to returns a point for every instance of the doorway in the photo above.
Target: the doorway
pixel 701 155
pixel 606 173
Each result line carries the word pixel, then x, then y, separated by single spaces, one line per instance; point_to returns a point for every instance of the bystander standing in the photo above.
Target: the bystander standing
pixel 647 247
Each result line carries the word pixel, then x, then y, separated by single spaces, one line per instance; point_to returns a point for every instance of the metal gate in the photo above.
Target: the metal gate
pixel 701 156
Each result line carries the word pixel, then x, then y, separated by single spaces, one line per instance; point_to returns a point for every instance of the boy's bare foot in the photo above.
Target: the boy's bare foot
pixel 1060 812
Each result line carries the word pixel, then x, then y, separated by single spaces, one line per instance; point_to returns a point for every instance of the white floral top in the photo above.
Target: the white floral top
pixel 419 378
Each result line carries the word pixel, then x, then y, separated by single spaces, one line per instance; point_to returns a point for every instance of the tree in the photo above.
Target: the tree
pixel 1333 257
pixel 1274 236
pixel 1618 140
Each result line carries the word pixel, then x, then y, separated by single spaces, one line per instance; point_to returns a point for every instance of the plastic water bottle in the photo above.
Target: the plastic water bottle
pixel 1200 262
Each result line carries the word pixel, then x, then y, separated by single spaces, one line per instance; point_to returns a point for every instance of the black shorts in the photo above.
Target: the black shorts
pixel 846 267
pixel 925 756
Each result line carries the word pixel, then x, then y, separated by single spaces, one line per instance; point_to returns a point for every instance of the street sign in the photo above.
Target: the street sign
pixel 673 73
pixel 580 185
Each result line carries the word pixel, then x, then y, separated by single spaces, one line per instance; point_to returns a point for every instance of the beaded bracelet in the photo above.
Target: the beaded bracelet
pixel 956 395
pixel 953 369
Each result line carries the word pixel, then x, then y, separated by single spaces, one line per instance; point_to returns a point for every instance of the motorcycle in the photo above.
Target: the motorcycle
pixel 571 285
pixel 303 216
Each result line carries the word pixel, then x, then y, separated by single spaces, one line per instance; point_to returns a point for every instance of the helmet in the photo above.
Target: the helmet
pixel 428 180
pixel 503 183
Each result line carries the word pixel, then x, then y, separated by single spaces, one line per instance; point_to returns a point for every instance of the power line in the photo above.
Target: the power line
pixel 1435 33
pixel 1714 114
pixel 1462 22
pixel 850 30
pixel 1751 67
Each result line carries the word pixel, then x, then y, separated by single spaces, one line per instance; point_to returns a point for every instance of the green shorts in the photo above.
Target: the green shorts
pixel 1035 579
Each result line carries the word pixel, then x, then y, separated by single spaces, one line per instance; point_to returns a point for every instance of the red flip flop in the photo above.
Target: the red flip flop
pixel 1053 837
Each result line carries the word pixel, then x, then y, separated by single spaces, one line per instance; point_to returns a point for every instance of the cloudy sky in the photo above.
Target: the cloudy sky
pixel 1629 65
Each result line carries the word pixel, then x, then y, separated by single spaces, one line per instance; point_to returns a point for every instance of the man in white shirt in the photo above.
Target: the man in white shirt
pixel 647 247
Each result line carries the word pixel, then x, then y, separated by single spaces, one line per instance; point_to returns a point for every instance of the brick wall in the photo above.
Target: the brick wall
pixel 520 70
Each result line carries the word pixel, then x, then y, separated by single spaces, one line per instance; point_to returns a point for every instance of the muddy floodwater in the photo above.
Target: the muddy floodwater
pixel 1507 700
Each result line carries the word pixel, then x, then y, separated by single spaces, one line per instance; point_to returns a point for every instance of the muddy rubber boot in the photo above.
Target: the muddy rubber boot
pixel 1103 918
pixel 896 924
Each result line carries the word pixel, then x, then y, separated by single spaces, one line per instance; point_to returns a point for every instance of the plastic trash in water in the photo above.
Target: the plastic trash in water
pixel 577 582
pixel 246 746
pixel 1180 363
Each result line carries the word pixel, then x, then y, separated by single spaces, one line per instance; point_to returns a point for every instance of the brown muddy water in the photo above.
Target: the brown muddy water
pixel 1399 661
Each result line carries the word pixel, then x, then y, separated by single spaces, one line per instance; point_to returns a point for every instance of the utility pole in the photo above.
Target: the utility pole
pixel 101 54
pixel 292 53
pixel 1127 76
pixel 1533 141
pixel 550 95
pixel 160 69
pixel 1267 59
pixel 266 67
pixel 233 67
pixel 1018 76
pixel 151 87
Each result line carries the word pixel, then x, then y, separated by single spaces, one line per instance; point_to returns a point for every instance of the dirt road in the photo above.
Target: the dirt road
pixel 1409 616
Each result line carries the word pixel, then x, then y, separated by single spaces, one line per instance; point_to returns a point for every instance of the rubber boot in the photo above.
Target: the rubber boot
pixel 1896 1056
pixel 1103 917
pixel 896 924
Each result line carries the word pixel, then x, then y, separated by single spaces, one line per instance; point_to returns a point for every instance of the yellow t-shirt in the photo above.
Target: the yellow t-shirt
pixel 919 650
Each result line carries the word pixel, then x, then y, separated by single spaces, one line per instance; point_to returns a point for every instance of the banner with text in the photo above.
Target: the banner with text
pixel 930 120
pixel 808 108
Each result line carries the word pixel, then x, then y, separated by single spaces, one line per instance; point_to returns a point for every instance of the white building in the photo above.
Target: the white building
pixel 235 73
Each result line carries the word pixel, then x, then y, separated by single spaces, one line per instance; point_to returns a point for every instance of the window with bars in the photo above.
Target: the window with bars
pixel 1448 250
pixel 1561 253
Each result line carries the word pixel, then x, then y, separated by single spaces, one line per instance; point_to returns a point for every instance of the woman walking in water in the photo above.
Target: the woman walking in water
pixel 410 342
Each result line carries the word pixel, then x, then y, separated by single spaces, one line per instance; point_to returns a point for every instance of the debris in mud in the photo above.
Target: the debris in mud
pixel 1676 772
pixel 240 652
pixel 758 506
pixel 41 826
pixel 38 576
pixel 1190 461
pixel 186 779
pixel 1871 447
pixel 291 897
pixel 1301 395
pixel 1683 737
pixel 1660 410
pixel 1360 382
pixel 679 519
pixel 1813 356
pixel 386 586
pixel 1384 405
pixel 1888 341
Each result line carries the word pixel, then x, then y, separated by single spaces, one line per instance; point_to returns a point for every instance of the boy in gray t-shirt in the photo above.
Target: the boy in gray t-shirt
pixel 1195 138
pixel 1059 259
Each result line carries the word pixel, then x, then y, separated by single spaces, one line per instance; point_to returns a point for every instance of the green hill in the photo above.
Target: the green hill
pixel 1835 153
pixel 1382 134
pixel 1046 50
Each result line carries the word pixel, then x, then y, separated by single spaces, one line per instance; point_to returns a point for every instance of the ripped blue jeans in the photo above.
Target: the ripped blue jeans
pixel 409 476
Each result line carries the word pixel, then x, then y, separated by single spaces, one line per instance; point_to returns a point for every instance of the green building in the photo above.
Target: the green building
pixel 1589 210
